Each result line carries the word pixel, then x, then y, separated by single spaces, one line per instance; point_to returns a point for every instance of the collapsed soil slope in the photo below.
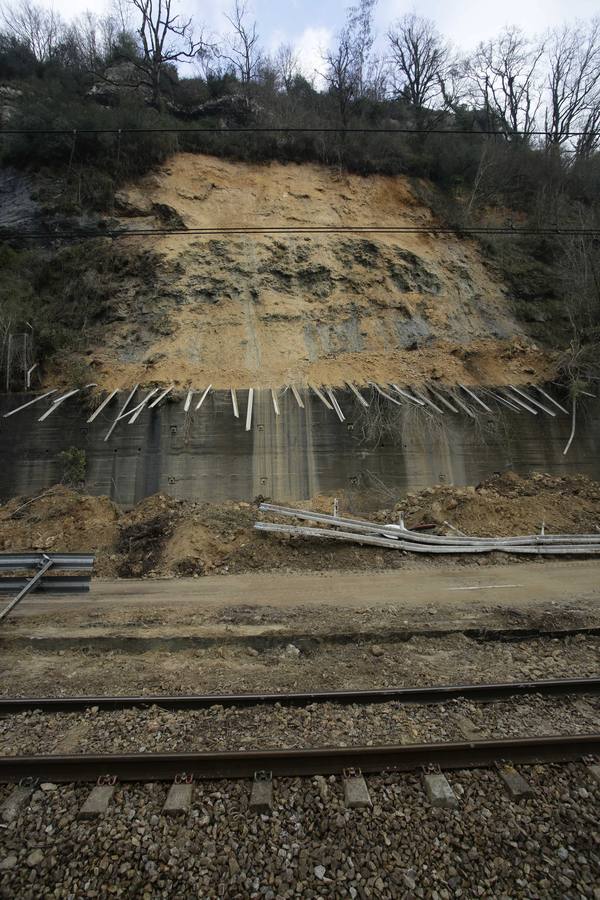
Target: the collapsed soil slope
pixel 164 536
pixel 266 310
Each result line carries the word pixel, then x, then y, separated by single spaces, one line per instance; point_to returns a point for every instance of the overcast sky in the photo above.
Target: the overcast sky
pixel 311 24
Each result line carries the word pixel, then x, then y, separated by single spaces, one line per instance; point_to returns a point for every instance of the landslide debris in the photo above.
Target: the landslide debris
pixel 236 310
pixel 162 536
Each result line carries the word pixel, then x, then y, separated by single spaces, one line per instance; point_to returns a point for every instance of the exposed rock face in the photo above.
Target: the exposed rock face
pixel 17 207
pixel 118 80
pixel 9 98
pixel 268 309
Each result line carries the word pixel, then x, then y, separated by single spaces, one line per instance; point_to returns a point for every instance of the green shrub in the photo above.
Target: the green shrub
pixel 74 462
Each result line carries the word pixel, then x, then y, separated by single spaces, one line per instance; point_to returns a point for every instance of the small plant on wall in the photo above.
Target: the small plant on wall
pixel 74 463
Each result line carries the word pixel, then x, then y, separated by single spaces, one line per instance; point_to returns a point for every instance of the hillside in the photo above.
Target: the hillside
pixel 269 310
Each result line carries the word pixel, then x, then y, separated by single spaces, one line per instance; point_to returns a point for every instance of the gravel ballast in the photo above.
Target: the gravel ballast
pixel 312 846
pixel 317 725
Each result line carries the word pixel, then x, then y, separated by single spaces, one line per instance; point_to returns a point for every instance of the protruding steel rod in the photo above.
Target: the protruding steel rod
pixel 120 414
pixel 249 409
pixel 102 406
pixel 30 403
pixel 203 397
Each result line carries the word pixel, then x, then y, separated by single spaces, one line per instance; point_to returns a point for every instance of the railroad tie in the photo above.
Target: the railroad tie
pixel 16 800
pixel 514 782
pixel 179 798
pixel 356 792
pixel 261 797
pixel 439 792
pixel 99 798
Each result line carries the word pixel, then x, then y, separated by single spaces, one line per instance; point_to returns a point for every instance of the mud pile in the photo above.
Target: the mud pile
pixel 507 504
pixel 164 536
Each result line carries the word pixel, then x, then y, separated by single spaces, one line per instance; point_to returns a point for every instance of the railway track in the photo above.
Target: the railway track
pixel 305 820
pixel 305 761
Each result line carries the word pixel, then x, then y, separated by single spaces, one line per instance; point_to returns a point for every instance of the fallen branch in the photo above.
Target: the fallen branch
pixel 32 500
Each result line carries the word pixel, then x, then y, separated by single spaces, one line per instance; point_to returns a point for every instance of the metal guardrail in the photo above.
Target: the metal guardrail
pixel 59 560
pixel 40 564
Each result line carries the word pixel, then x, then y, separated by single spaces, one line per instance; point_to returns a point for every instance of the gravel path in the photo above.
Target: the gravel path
pixel 420 661
pixel 317 725
pixel 312 847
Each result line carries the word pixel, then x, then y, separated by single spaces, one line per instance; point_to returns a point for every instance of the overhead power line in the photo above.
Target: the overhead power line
pixel 283 129
pixel 83 234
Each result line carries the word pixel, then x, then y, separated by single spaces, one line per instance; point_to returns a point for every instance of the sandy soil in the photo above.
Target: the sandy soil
pixel 164 536
pixel 269 310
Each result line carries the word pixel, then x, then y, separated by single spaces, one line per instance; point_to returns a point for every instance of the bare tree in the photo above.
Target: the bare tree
pixel 349 64
pixel 94 38
pixel 588 142
pixel 40 29
pixel 165 40
pixel 287 66
pixel 419 61
pixel 573 82
pixel 360 29
pixel 244 55
pixel 340 75
pixel 504 79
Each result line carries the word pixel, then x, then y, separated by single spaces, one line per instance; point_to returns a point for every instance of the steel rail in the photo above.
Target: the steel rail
pixel 482 693
pixel 303 762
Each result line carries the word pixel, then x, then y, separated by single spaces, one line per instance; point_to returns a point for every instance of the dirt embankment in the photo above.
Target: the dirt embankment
pixel 164 536
pixel 243 310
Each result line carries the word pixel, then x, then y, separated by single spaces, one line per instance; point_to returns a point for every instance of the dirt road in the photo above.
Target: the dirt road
pixel 524 586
